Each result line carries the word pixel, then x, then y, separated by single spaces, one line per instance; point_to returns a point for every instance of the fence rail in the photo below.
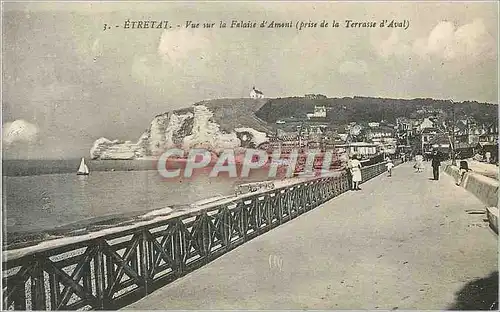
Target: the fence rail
pixel 113 270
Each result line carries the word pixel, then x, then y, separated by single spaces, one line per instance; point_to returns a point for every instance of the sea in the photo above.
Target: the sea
pixel 40 196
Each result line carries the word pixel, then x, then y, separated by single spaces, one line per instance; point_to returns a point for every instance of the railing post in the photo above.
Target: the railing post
pixel 300 199
pixel 99 276
pixel 226 228
pixel 144 255
pixel 288 203
pixel 179 243
pixel 269 215
pixel 38 286
pixel 257 214
pixel 206 237
pixel 279 200
pixel 244 220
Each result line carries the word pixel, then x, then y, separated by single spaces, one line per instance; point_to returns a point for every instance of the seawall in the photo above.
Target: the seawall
pixel 484 188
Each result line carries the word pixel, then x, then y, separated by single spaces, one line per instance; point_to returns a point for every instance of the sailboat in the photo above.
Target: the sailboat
pixel 83 169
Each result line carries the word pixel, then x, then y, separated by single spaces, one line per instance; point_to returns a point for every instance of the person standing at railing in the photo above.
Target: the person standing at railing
pixel 348 173
pixel 464 168
pixel 355 172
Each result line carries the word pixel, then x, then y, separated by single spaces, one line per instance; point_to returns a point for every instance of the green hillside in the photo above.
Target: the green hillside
pixel 362 109
pixel 262 114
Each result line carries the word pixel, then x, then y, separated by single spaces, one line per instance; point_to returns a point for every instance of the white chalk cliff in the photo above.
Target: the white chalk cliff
pixel 190 128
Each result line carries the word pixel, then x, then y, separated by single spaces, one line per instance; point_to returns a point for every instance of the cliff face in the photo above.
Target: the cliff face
pixel 107 149
pixel 209 125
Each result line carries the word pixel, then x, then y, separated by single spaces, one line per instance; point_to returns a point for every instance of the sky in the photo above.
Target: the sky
pixel 67 82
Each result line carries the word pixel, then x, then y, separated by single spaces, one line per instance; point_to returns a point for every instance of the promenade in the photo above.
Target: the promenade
pixel 402 242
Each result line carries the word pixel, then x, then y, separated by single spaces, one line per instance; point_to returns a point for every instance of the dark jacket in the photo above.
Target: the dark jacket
pixel 436 160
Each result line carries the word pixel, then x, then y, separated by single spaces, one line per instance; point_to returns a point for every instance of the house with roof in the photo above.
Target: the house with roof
pixel 463 131
pixel 256 94
pixel 427 139
pixel 489 133
pixel 382 135
pixel 426 123
pixel 319 112
pixel 440 141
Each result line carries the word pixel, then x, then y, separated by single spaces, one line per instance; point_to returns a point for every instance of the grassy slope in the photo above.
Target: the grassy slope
pixel 235 113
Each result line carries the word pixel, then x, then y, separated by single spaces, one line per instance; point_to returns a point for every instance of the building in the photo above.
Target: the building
pixel 384 136
pixel 464 150
pixel 482 148
pixel 404 124
pixel 319 112
pixel 256 94
pixel 404 131
pixel 440 142
pixel 463 132
pixel 343 136
pixel 489 134
pixel 426 139
pixel 468 131
pixel 380 133
pixel 363 149
pixel 426 123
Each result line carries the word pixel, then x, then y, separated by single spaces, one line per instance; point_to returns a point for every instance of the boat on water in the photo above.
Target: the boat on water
pixel 83 169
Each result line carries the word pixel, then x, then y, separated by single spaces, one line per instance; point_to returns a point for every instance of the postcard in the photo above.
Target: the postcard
pixel 250 155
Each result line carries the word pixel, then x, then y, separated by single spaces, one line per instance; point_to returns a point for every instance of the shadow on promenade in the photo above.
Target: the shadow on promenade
pixel 480 294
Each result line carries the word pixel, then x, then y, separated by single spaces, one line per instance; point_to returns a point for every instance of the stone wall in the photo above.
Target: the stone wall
pixel 484 188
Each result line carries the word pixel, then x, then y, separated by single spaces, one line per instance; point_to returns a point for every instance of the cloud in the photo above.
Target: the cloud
pixel 180 44
pixel 445 42
pixel 469 42
pixel 141 69
pixel 353 68
pixel 393 46
pixel 19 131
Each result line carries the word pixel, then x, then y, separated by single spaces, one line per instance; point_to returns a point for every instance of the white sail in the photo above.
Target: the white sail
pixel 83 169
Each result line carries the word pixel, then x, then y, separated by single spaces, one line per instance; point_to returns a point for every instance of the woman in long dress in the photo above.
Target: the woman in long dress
pixel 419 163
pixel 356 172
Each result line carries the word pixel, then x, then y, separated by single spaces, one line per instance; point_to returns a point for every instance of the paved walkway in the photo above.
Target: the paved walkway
pixel 402 242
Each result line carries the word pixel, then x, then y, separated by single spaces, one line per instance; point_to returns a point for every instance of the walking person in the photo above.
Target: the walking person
pixel 356 172
pixel 419 163
pixel 436 162
pixel 389 166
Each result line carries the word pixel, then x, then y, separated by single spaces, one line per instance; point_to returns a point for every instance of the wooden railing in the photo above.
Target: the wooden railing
pixel 111 270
